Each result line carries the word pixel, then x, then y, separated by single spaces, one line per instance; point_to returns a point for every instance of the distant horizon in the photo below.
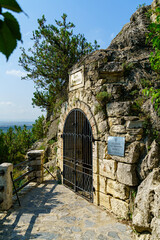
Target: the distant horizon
pixel 16 121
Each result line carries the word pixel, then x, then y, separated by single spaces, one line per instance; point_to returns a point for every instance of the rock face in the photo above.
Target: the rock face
pixel 119 73
pixel 151 161
pixel 133 34
pixel 147 205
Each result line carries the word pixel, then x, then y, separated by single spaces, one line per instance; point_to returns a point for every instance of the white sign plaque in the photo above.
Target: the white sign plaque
pixel 76 79
pixel 116 146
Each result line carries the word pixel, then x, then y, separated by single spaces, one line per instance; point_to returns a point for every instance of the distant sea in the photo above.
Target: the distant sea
pixel 4 126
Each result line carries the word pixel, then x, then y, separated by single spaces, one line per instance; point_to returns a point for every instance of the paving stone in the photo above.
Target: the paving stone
pixel 102 237
pixel 89 223
pixel 90 234
pixel 52 211
pixel 114 235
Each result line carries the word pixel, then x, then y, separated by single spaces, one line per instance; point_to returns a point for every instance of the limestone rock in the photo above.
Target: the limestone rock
pixel 133 34
pixel 105 200
pixel 108 168
pixel 117 109
pixel 149 109
pixel 151 161
pixel 102 184
pixel 114 121
pixel 118 129
pixel 131 155
pixel 117 190
pixel 102 127
pixel 134 124
pixel 155 225
pixel 144 236
pixel 126 174
pixel 120 208
pixel 53 129
pixel 147 203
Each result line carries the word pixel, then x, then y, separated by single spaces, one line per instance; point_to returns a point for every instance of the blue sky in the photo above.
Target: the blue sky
pixel 97 20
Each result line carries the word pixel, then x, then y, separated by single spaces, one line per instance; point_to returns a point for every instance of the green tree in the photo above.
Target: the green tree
pixel 154 38
pixel 9 27
pixel 14 144
pixel 38 128
pixel 55 50
pixel 3 148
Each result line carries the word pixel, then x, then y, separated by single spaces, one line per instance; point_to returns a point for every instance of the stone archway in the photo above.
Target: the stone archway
pixel 84 108
pixel 77 154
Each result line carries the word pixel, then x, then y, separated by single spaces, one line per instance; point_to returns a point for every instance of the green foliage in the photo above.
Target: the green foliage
pixel 56 48
pixel 145 83
pixel 154 38
pixel 141 5
pixel 38 128
pixel 98 108
pixel 136 106
pixel 127 67
pixel 103 97
pixel 52 141
pixel 155 97
pixel 134 92
pixel 9 27
pixel 14 144
pixel 151 131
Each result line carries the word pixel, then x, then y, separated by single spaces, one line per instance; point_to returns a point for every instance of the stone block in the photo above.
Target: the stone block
pixel 96 182
pixel 117 190
pixel 102 184
pixel 118 129
pixel 103 127
pixel 105 200
pixel 108 168
pixel 101 149
pixel 117 109
pixel 131 155
pixel 35 154
pixel 134 124
pixel 96 198
pixel 119 208
pixel 6 182
pixel 126 174
pixel 135 131
pixel 114 121
pixel 131 138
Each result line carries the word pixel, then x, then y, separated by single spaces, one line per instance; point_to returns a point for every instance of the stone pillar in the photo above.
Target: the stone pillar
pixel 6 187
pixel 36 162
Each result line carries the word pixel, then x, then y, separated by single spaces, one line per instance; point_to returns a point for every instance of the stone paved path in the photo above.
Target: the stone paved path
pixel 51 211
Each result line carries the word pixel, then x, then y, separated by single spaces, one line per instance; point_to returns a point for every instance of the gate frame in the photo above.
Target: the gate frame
pixel 66 108
pixel 74 110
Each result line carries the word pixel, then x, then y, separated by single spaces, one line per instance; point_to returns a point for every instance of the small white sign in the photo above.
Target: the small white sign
pixel 76 79
pixel 116 146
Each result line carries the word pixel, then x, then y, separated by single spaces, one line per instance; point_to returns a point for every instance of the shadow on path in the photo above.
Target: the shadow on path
pixel 41 200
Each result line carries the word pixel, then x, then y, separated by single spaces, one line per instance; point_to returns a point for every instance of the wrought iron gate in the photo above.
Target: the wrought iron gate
pixel 77 154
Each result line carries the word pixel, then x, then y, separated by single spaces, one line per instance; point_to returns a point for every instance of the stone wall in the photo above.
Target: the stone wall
pixel 109 92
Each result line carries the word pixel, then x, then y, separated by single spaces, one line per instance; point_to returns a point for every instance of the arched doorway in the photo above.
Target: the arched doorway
pixel 77 154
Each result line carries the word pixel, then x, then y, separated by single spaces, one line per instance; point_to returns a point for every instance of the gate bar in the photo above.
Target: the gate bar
pixel 49 172
pixel 15 188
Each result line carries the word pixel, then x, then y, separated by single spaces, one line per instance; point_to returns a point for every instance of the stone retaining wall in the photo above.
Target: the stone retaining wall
pixel 114 177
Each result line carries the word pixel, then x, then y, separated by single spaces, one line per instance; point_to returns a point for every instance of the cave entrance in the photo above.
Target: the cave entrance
pixel 77 154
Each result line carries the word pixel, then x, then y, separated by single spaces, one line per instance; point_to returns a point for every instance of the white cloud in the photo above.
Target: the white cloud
pixel 7 103
pixel 16 73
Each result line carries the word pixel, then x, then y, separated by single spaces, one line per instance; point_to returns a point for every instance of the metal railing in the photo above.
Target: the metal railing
pixel 16 181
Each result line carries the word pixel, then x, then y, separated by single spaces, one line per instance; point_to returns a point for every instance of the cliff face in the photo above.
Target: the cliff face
pixel 123 71
pixel 127 60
